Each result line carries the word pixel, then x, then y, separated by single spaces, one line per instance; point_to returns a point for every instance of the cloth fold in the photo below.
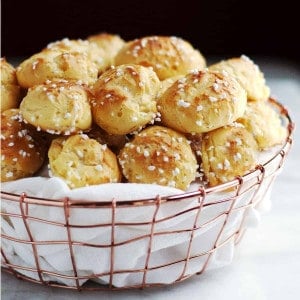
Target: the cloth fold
pixel 155 242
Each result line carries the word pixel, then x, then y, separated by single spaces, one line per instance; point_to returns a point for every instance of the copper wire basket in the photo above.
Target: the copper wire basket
pixel 224 208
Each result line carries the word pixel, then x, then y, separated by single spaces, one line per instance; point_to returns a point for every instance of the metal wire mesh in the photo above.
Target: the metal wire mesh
pixel 205 210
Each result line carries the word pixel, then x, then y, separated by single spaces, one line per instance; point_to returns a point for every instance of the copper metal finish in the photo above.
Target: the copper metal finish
pixel 246 186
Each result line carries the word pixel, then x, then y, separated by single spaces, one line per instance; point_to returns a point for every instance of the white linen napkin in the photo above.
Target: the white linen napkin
pixel 92 251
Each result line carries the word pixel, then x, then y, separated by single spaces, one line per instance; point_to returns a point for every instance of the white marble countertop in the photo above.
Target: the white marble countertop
pixel 266 264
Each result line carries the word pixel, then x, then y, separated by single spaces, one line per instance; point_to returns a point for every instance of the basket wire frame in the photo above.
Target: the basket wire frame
pixel 249 186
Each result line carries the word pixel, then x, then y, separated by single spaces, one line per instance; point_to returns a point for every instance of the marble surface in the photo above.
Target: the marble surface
pixel 266 264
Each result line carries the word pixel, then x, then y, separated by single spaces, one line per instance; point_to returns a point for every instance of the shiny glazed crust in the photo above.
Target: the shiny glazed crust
pixel 82 161
pixel 125 99
pixel 21 153
pixel 168 56
pixel 110 44
pixel 10 89
pixel 58 107
pixel 202 101
pixel 264 123
pixel 248 74
pixel 91 50
pixel 56 64
pixel 228 152
pixel 159 155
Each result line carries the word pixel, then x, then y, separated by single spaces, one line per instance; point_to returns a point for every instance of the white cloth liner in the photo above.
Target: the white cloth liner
pixel 165 247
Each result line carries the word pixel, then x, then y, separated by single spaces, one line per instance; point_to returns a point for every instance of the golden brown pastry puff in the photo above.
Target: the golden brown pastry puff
pixel 82 161
pixel 248 74
pixel 125 99
pixel 110 44
pixel 10 89
pixel 58 107
pixel 56 64
pixel 22 154
pixel 159 155
pixel 228 152
pixel 202 101
pixel 168 56
pixel 94 53
pixel 264 123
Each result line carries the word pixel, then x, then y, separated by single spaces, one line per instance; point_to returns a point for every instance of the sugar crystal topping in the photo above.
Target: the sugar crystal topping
pixel 183 103
pixel 9 174
pixel 151 168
